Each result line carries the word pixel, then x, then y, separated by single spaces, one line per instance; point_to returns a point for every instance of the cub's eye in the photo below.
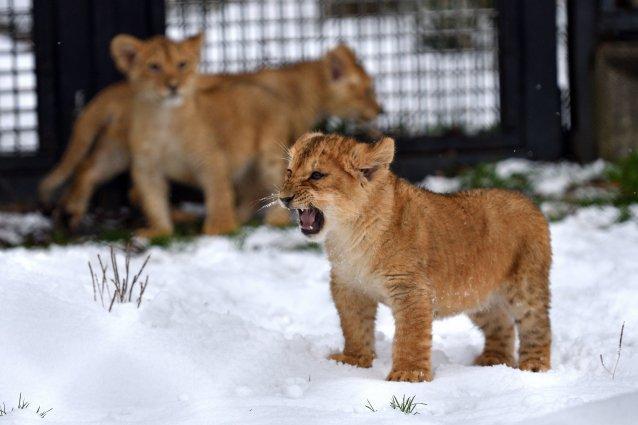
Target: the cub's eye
pixel 153 67
pixel 288 173
pixel 182 65
pixel 316 175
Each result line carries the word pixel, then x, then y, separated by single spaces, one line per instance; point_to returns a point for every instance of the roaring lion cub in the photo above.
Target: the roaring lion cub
pixel 170 137
pixel 425 255
pixel 253 115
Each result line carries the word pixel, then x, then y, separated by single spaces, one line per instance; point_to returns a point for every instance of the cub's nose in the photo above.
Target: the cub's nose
pixel 285 201
pixel 172 87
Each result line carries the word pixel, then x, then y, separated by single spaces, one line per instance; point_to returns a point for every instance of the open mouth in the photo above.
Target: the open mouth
pixel 310 220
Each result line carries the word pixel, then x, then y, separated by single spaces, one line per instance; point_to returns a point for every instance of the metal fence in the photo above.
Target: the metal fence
pixel 435 62
pixel 562 60
pixel 18 121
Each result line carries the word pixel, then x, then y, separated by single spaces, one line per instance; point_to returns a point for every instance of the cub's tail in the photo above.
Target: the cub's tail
pixel 92 120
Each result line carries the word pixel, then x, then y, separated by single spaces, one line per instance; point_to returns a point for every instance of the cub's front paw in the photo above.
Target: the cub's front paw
pixel 219 227
pixel 73 214
pixel 534 364
pixel 45 191
pixel 418 375
pixel 491 358
pixel 359 361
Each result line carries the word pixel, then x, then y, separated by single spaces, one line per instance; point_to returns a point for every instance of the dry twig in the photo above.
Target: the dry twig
pixel 124 286
pixel 612 372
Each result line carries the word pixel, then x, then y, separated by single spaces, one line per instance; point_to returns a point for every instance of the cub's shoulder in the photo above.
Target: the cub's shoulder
pixel 116 91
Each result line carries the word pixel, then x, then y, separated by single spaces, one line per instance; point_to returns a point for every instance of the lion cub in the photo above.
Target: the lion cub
pixel 253 115
pixel 170 136
pixel 425 255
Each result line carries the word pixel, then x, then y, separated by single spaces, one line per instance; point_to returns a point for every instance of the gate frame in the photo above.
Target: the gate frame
pixel 530 109
pixel 71 41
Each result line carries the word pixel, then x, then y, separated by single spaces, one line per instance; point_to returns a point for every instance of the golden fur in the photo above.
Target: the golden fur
pixel 253 116
pixel 425 255
pixel 170 137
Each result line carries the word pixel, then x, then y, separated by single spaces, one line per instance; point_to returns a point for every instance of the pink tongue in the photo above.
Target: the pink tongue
pixel 307 218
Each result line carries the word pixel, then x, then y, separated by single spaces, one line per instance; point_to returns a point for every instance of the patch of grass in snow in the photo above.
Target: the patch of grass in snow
pixel 624 214
pixel 169 241
pixel 616 186
pixel 407 405
pixel 310 246
pixel 624 174
pixel 115 235
pixel 485 176
pixel 369 406
pixel 23 404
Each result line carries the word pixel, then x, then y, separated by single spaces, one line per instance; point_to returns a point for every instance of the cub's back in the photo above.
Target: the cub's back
pixel 477 235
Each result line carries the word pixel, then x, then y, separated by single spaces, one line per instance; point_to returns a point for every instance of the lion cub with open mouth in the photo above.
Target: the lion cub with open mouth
pixel 425 255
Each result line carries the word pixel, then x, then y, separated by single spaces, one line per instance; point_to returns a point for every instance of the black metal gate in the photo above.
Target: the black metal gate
pixel 462 80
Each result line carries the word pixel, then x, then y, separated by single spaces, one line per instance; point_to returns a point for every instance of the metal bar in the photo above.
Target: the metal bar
pixel 581 22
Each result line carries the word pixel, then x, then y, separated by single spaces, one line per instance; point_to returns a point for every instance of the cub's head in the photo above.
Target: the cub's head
pixel 159 69
pixel 330 180
pixel 350 90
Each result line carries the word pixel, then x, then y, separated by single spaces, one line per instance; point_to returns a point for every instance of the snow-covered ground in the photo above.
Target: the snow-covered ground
pixel 237 331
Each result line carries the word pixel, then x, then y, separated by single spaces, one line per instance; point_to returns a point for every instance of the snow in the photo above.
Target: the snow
pixel 552 179
pixel 620 410
pixel 549 179
pixel 14 227
pixel 237 330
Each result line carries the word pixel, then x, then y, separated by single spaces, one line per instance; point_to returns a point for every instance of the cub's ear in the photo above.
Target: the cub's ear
pixel 372 157
pixel 194 43
pixel 124 50
pixel 337 61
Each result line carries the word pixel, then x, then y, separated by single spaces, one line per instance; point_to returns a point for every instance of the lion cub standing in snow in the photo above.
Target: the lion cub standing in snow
pixel 170 136
pixel 425 255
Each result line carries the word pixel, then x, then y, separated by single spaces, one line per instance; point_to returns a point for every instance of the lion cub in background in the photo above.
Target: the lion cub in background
pixel 425 255
pixel 170 137
pixel 253 115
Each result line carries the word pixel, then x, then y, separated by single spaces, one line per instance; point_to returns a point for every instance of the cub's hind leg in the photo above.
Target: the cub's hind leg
pixel 109 159
pixel 219 196
pixel 528 300
pixel 498 327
